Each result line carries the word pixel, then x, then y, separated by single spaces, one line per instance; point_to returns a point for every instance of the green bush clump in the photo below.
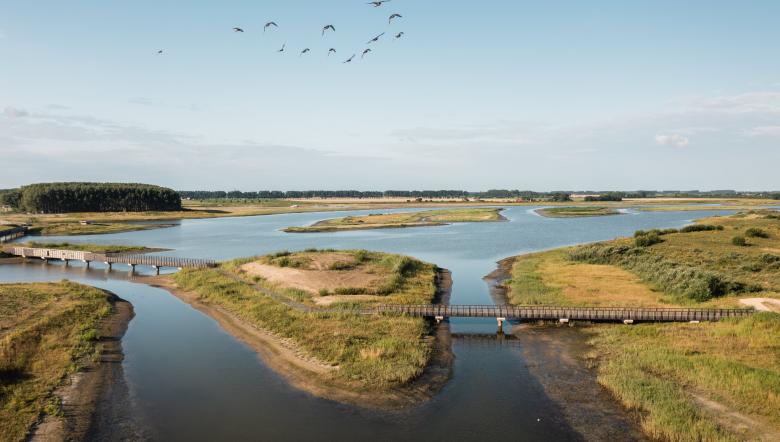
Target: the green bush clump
pixel 648 239
pixel 755 232
pixel 350 291
pixel 672 277
pixel 739 241
pixel 700 228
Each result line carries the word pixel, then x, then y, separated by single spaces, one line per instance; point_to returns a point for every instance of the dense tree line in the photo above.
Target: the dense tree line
pixel 608 196
pixel 92 197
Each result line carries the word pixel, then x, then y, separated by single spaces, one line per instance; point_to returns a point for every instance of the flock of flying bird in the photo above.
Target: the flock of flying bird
pixel 332 28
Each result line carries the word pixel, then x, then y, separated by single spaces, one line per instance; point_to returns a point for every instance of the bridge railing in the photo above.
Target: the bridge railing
pixel 120 258
pixel 571 313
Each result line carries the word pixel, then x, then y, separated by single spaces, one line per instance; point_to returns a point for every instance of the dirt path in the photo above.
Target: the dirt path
pixel 762 304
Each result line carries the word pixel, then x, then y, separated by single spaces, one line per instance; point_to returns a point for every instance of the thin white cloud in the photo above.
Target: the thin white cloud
pixel 14 112
pixel 675 140
pixel 765 131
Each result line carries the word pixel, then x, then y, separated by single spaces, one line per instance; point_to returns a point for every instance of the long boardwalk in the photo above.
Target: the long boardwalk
pixel 131 259
pixel 565 314
pixel 437 311
pixel 12 233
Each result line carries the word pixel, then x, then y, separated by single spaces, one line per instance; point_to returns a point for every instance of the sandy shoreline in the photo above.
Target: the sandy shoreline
pixel 310 375
pixel 84 393
pixel 556 357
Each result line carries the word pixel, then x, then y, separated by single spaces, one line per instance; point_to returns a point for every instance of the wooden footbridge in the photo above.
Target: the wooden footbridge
pixel 565 314
pixel 12 233
pixel 109 259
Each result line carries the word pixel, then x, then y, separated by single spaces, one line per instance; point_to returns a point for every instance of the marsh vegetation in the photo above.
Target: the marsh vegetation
pixel 399 220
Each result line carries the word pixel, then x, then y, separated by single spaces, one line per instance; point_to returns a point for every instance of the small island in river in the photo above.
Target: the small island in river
pixel 577 211
pixel 299 311
pixel 425 218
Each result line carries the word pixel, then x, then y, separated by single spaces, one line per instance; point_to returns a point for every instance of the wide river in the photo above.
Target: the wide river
pixel 189 380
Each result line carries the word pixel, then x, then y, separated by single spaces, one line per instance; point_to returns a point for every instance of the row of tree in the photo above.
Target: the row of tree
pixel 90 197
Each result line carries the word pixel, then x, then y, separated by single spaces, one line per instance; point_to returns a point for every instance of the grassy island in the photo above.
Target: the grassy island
pixel 48 331
pixel 405 219
pixel 94 248
pixel 577 211
pixel 710 381
pixel 281 303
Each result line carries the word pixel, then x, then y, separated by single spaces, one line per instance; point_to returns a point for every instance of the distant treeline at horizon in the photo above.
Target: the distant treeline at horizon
pixel 90 197
pixel 454 194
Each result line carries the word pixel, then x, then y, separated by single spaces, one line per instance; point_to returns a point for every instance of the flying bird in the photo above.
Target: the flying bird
pixel 160 52
pixel 399 35
pixel 238 30
pixel 375 39
pixel 390 20
pixel 365 52
pixel 377 3
pixel 331 51
pixel 304 51
pixel 331 27
pixel 349 60
pixel 269 24
pixel 282 48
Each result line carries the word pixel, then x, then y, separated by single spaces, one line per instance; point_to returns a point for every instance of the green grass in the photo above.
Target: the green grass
pixel 576 211
pixel 61 229
pixel 527 286
pixel 46 332
pixel 656 369
pixel 95 248
pixel 405 219
pixel 372 352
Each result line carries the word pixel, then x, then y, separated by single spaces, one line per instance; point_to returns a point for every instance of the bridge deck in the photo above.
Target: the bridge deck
pixel 570 313
pixel 111 258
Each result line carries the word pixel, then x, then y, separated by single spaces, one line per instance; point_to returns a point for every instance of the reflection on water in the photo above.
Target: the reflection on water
pixel 189 380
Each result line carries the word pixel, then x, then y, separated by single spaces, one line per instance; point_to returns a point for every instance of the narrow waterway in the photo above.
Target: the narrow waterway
pixel 189 380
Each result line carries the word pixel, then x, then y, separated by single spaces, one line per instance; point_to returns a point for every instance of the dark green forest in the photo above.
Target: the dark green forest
pixel 90 197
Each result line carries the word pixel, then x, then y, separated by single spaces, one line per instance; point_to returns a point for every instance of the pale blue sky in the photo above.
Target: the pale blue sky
pixel 477 95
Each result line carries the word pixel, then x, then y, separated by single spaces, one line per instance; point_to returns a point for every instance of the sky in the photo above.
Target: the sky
pixel 476 95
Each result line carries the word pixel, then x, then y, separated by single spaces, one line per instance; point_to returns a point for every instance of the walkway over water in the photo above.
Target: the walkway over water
pixel 131 259
pixel 565 314
pixel 12 233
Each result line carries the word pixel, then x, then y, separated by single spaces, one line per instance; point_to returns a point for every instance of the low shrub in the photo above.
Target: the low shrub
pixel 349 291
pixel 647 239
pixel 739 241
pixel 700 228
pixel 755 232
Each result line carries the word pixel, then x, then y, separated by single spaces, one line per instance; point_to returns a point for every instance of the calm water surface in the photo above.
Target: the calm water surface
pixel 189 380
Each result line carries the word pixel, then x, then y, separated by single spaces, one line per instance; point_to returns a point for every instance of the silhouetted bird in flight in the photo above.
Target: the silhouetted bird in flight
pixel 375 39
pixel 304 51
pixel 365 52
pixel 282 48
pixel 269 24
pixel 349 60
pixel 399 35
pixel 377 3
pixel 160 52
pixel 390 20
pixel 331 27
pixel 331 51
pixel 238 30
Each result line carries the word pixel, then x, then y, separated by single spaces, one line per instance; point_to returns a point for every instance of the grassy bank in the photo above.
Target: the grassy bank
pixel 47 331
pixel 95 248
pixel 714 382
pixel 367 354
pixel 710 381
pixel 398 220
pixel 577 211
pixel 76 228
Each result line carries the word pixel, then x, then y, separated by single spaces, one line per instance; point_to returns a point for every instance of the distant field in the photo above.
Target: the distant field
pixel 577 211
pixel 407 219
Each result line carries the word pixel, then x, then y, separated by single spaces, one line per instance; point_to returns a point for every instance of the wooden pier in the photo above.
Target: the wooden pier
pixel 565 314
pixel 12 234
pixel 109 259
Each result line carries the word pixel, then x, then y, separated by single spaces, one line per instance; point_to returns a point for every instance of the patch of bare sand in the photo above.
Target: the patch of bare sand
pixel 315 280
pixel 762 304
